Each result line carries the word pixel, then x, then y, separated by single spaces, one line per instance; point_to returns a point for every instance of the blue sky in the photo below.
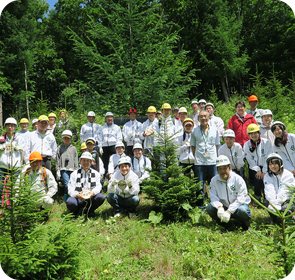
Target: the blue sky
pixel 51 3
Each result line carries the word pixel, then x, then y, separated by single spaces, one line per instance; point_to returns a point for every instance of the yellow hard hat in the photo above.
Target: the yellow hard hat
pixel 188 120
pixel 83 146
pixel 52 115
pixel 24 120
pixel 166 106
pixel 43 118
pixel 252 128
pixel 151 109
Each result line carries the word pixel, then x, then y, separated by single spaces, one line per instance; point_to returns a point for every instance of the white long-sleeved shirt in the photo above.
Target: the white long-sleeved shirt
pixel 138 167
pixel 8 159
pixel 84 182
pixel 259 156
pixel 185 150
pixel 218 123
pixel 149 141
pixel 113 163
pixel 235 154
pixel 265 132
pixel 276 188
pixel 231 193
pixel 127 192
pixel 45 145
pixel 90 130
pixel 135 126
pixel 110 135
pixel 287 152
pixel 24 135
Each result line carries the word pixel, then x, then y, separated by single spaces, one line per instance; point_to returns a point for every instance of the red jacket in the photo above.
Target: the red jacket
pixel 240 128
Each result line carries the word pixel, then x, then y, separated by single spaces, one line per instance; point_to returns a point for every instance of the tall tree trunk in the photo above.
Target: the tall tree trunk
pixel 26 84
pixel 224 90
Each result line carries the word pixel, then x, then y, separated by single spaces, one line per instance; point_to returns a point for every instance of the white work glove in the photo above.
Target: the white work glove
pixel 129 182
pixel 2 148
pixel 115 182
pixel 48 201
pixel 18 148
pixel 225 217
pixel 220 212
pixel 276 206
pixel 58 176
pixel 101 150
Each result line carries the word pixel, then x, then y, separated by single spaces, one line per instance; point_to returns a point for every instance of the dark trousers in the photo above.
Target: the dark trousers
pixel 107 152
pixel 74 203
pixel 119 203
pixel 187 171
pixel 47 162
pixel 129 151
pixel 257 183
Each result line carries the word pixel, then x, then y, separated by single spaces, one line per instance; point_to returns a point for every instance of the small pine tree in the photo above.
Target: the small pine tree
pixel 168 187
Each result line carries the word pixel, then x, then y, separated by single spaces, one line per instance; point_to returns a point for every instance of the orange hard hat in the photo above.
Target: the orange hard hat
pixel 253 98
pixel 35 156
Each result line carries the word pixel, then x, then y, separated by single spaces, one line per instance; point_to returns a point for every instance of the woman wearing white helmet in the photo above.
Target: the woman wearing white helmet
pixel 123 189
pixel 277 182
pixel 284 145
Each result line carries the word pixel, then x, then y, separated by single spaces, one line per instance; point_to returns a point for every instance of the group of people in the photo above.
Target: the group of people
pixel 251 136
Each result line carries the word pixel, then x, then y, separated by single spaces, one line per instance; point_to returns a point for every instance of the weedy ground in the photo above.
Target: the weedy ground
pixel 125 248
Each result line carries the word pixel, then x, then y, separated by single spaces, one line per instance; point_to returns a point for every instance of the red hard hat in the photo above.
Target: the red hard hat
pixel 132 110
pixel 253 98
pixel 35 156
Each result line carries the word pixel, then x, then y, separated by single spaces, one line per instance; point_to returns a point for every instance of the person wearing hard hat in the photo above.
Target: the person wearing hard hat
pixel 131 131
pixel 24 132
pixel 65 124
pixel 35 124
pixel 182 116
pixel 217 122
pixel 66 160
pixel 52 125
pixel 176 114
pixel 167 123
pixel 139 163
pixel 83 147
pixel 194 114
pixel 84 188
pixel 265 127
pixel 123 189
pixel 239 123
pixel 43 141
pixel 113 163
pixel 284 145
pixel 256 151
pixel 277 182
pixel 204 143
pixel 42 179
pixel 149 127
pixel 109 135
pixel 256 113
pixel 13 150
pixel 202 104
pixel 233 151
pixel 184 150
pixel 229 199
pixel 90 129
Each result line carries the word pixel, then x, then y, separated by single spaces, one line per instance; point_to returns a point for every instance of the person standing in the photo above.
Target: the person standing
pixel 52 125
pixel 194 114
pixel 131 131
pixel 90 129
pixel 256 113
pixel 66 124
pixel 217 122
pixel 265 127
pixel 24 132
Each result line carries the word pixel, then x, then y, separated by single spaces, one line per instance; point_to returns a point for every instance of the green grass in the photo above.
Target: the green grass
pixel 134 249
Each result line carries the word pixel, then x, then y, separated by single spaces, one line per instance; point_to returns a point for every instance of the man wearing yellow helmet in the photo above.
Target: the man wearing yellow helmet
pixel 52 124
pixel 43 141
pixel 148 131
pixel 256 152
pixel 24 132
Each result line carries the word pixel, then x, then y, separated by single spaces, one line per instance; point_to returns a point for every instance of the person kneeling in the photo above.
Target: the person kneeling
pixel 229 196
pixel 84 188
pixel 123 189
pixel 277 180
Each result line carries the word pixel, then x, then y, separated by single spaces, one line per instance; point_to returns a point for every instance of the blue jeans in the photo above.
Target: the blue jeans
pixel 242 214
pixel 119 203
pixel 65 177
pixel 205 171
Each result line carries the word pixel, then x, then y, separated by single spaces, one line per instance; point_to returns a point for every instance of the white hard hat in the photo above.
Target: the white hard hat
pixel 124 160
pixel 137 146
pixel 86 155
pixel 202 101
pixel 277 123
pixel 67 133
pixel 194 102
pixel 108 114
pixel 267 112
pixel 91 114
pixel 90 139
pixel 210 104
pixel 222 160
pixel 131 135
pixel 229 133
pixel 182 110
pixel 119 144
pixel 11 121
pixel 34 121
pixel 275 156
